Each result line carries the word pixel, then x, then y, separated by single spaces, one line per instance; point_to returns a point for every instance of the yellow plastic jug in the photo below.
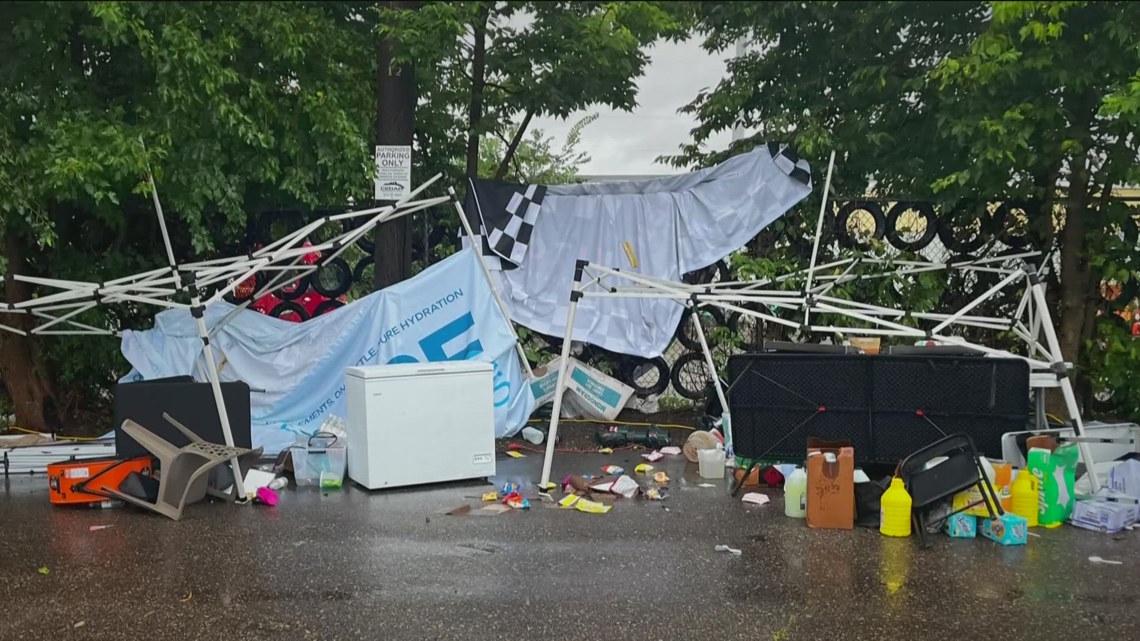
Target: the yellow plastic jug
pixel 1024 496
pixel 894 510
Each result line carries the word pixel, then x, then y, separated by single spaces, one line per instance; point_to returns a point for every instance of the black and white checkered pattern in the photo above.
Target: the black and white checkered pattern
pixel 504 215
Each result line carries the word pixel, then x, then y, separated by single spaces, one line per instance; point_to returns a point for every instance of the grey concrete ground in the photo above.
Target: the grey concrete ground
pixel 353 565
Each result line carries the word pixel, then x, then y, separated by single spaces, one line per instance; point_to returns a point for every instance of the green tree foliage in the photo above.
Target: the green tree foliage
pixel 240 105
pixel 956 101
pixel 537 160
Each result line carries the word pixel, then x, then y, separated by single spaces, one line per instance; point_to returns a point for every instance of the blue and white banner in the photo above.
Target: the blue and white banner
pixel 447 312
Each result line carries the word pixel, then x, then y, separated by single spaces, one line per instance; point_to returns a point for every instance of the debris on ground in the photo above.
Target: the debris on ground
pixel 266 496
pixel 672 450
pixel 578 484
pixel 706 484
pixel 494 509
pixel 532 435
pixel 460 511
pixel 79 624
pixel 96 528
pixel 515 454
pixel 44 570
pixel 584 505
pixel 655 494
pixel 653 456
pixel 490 497
pixel 624 486
pixel 1097 559
pixel 643 468
pixel 516 501
pixel 725 548
pixel 661 478
pixel 606 450
pixel 613 470
pixel 755 498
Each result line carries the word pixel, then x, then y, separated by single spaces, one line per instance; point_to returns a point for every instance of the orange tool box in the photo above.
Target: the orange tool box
pixel 81 482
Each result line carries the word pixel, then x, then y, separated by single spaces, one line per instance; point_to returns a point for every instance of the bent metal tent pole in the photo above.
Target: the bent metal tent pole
pixel 818 233
pixel 563 367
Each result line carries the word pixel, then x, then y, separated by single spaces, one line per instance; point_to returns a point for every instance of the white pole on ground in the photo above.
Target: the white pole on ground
pixel 563 369
pixel 818 233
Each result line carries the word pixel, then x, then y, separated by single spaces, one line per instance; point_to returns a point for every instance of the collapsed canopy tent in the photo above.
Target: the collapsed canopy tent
pixel 662 228
pixel 446 312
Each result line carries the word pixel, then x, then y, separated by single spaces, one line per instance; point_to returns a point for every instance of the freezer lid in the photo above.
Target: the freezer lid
pixel 400 370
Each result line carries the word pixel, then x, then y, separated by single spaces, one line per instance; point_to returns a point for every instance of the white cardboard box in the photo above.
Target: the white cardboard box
pixel 589 392
pixel 1124 478
pixel 1108 517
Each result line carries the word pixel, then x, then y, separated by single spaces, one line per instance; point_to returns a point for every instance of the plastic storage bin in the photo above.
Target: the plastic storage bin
pixel 322 461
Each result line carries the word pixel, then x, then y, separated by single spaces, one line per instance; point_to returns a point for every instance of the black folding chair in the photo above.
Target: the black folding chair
pixel 961 470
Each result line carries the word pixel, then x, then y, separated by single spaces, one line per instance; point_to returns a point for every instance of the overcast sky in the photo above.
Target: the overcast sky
pixel 628 143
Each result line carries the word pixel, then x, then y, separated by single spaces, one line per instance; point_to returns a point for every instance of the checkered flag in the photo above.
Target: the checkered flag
pixel 504 215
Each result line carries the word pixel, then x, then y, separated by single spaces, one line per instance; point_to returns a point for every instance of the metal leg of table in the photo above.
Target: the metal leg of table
pixel 1039 413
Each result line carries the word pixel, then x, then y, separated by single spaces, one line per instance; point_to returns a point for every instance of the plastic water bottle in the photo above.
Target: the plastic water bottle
pixel 278 483
pixel 795 494
pixel 894 510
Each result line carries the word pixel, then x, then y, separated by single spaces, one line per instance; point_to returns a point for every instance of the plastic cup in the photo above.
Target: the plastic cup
pixel 711 463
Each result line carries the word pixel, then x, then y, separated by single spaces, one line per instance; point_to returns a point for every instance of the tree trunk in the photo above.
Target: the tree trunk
pixel 395 125
pixel 513 147
pixel 25 377
pixel 478 82
pixel 1076 275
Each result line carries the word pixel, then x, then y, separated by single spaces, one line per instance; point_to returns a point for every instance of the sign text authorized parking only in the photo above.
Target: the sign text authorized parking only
pixel 393 171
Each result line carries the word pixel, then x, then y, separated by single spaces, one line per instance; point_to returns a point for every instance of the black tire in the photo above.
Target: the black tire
pixel 636 372
pixel 843 218
pixel 923 210
pixel 749 329
pixel 1123 294
pixel 716 273
pixel 1006 221
pixel 326 306
pixel 285 308
pixel 360 272
pixel 294 290
pixel 950 229
pixel 332 279
pixel 688 337
pixel 685 377
pixel 246 289
pixel 364 242
pixel 278 224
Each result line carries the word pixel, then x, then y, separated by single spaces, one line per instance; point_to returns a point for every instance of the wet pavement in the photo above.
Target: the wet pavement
pixel 350 564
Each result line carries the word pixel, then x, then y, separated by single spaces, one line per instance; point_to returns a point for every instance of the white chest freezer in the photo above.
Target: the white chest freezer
pixel 416 423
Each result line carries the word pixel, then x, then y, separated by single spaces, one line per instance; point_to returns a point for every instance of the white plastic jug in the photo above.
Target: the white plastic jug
pixel 711 463
pixel 795 494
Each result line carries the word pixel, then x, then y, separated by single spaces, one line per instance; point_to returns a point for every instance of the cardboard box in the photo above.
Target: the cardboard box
pixel 1007 529
pixel 1124 478
pixel 1101 515
pixel 590 393
pixel 961 526
pixel 830 485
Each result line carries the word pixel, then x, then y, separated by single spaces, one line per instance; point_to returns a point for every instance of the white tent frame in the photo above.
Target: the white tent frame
pixel 160 287
pixel 1032 322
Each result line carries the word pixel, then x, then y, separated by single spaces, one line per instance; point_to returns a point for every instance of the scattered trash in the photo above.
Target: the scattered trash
pixel 606 450
pixel 653 456
pixel 79 624
pixel 725 548
pixel 278 483
pixel 578 484
pixel 643 468
pixel 706 484
pixel 661 478
pixel 514 454
pixel 494 509
pixel 584 505
pixel 624 486
pixel 545 498
pixel 655 494
pixel 509 487
pixel 613 470
pixel 532 435
pixel 460 511
pixel 490 496
pixel 266 496
pixel 44 570
pixel 549 486
pixel 189 595
pixel 96 528
pixel 697 441
pixel 755 498
pixel 517 501
pixel 672 450
pixel 1097 559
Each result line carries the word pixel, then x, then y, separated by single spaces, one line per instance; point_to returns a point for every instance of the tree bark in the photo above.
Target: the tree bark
pixel 395 125
pixel 513 147
pixel 1076 275
pixel 25 377
pixel 478 83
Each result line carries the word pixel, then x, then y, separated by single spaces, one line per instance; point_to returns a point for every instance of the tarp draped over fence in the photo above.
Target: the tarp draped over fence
pixel 446 312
